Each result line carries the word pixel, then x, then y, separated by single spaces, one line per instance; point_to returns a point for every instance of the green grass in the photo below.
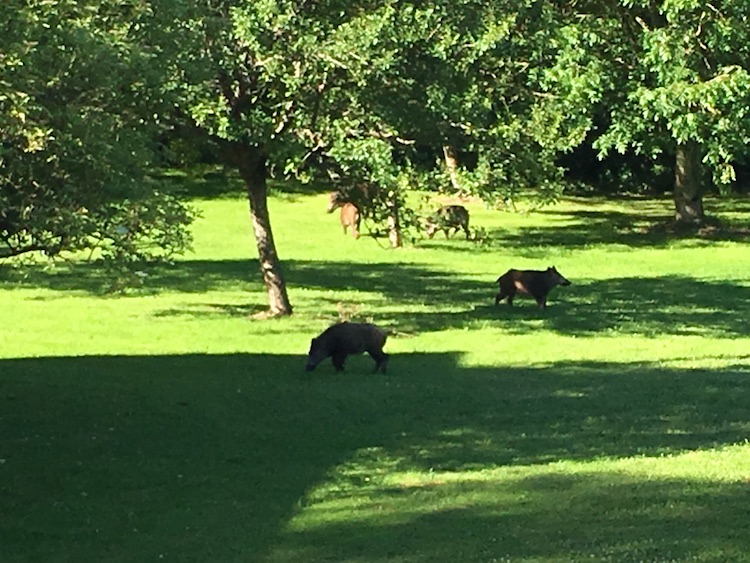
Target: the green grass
pixel 168 424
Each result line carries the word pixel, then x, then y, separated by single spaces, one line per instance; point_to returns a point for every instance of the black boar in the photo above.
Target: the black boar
pixel 350 215
pixel 536 283
pixel 341 340
pixel 446 218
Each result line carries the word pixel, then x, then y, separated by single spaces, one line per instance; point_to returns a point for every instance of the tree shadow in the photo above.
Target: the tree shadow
pixel 636 305
pixel 209 457
pixel 219 182
pixel 646 224
pixel 213 310
pixel 209 182
pixel 554 521
pixel 621 230
pixel 199 276
pixel 650 306
pixel 187 276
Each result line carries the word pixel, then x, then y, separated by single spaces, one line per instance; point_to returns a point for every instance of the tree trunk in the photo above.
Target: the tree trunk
pixel 252 168
pixel 394 225
pixel 688 196
pixel 451 163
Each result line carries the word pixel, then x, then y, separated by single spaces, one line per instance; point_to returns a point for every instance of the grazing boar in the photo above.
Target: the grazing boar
pixel 340 340
pixel 446 218
pixel 536 283
pixel 350 215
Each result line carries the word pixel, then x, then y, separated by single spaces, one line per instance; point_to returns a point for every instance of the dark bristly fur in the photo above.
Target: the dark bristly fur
pixel 343 339
pixel 536 283
pixel 447 218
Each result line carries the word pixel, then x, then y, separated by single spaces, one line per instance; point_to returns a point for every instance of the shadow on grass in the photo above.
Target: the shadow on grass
pixel 636 305
pixel 646 223
pixel 210 457
pixel 217 182
pixel 644 227
pixel 606 516
pixel 654 305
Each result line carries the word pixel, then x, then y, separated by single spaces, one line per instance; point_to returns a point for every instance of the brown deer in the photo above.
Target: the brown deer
pixel 350 215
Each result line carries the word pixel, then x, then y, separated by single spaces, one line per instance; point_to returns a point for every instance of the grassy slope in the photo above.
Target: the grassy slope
pixel 166 423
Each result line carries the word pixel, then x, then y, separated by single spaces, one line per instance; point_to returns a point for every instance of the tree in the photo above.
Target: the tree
pixel 254 77
pixel 486 102
pixel 75 101
pixel 663 77
pixel 280 83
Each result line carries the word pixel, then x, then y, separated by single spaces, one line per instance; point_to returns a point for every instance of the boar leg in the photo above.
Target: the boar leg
pixel 503 294
pixel 338 361
pixel 381 360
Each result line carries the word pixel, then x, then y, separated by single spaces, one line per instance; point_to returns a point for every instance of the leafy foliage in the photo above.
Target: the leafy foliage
pixel 661 75
pixel 77 100
pixel 373 87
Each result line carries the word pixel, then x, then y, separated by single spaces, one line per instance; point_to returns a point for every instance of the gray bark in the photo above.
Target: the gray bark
pixel 688 185
pixel 252 168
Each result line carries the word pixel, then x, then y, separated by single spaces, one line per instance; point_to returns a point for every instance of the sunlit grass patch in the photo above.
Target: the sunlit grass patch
pixel 167 420
pixel 605 509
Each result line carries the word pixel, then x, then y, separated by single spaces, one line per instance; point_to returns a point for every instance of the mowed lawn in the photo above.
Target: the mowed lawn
pixel 166 423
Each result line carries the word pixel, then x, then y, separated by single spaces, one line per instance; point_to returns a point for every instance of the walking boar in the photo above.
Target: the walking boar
pixel 536 283
pixel 446 218
pixel 341 340
pixel 350 215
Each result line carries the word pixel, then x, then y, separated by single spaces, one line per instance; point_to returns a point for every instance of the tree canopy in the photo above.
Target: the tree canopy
pixel 660 78
pixel 363 88
pixel 279 85
pixel 78 100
